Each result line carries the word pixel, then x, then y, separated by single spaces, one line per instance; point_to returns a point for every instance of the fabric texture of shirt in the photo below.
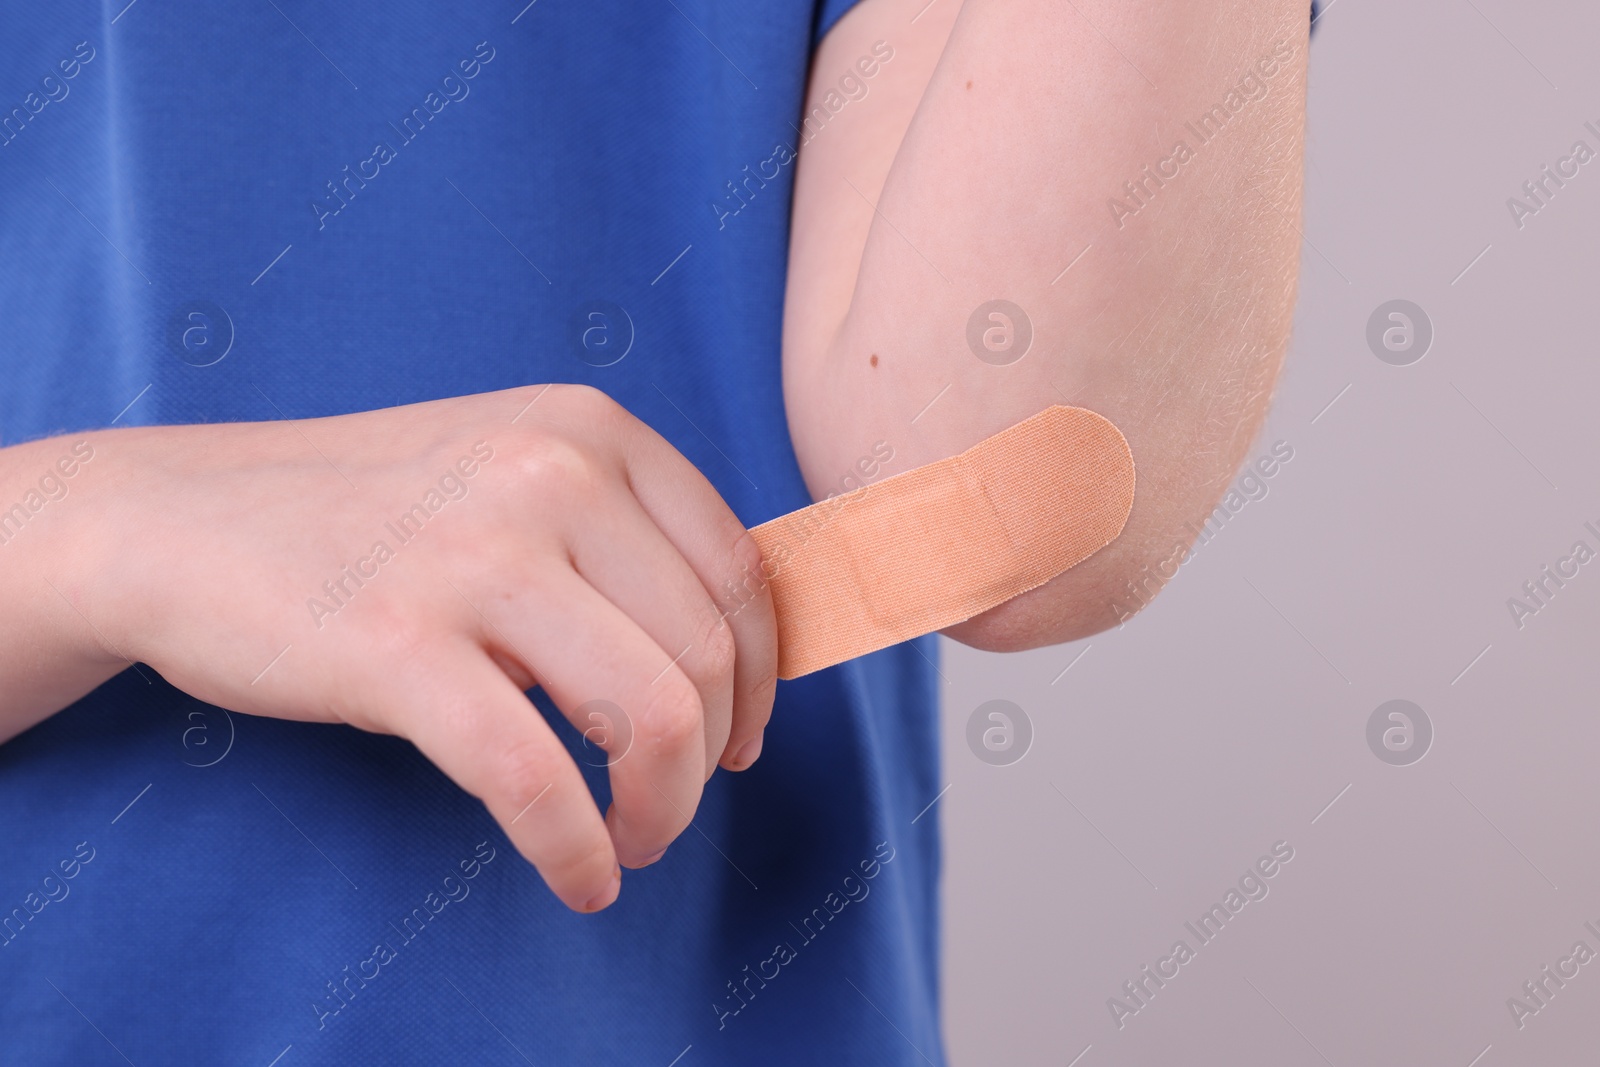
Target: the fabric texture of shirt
pixel 285 209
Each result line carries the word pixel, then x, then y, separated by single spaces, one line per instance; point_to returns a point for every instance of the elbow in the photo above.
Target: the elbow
pixel 1099 594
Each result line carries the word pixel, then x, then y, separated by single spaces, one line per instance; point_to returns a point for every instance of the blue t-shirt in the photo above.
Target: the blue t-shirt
pixel 286 209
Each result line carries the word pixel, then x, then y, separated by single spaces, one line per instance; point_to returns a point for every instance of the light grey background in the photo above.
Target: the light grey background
pixel 1178 749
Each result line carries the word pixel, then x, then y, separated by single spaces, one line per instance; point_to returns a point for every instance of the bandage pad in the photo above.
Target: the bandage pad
pixel 939 544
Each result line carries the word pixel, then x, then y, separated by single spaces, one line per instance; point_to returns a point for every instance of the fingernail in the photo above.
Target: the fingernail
pixel 748 754
pixel 608 894
pixel 648 860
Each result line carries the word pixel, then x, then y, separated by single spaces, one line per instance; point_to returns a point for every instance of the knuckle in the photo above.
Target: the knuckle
pixel 520 775
pixel 748 583
pixel 716 650
pixel 590 405
pixel 747 559
pixel 406 640
pixel 552 465
pixel 673 716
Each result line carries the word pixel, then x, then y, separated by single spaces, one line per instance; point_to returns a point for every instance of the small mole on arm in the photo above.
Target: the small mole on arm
pixel 874 360
pixel 969 85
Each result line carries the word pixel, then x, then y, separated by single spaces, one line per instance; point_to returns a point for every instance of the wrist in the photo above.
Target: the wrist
pixel 51 647
pixel 96 546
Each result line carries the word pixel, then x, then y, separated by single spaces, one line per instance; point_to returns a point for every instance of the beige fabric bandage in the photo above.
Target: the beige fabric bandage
pixel 939 544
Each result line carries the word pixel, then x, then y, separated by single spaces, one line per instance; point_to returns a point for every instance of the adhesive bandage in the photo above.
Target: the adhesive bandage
pixel 944 542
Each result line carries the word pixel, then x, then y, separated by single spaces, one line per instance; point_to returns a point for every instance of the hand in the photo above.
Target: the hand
pixel 426 564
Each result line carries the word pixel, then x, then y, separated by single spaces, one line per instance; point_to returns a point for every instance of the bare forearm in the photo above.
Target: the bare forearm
pixel 50 651
pixel 1172 323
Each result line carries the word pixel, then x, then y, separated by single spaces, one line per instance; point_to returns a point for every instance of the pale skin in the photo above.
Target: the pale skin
pixel 590 558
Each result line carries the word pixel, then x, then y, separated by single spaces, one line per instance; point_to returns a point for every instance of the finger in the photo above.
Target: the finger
pixel 620 551
pixel 723 555
pixel 582 647
pixel 465 715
